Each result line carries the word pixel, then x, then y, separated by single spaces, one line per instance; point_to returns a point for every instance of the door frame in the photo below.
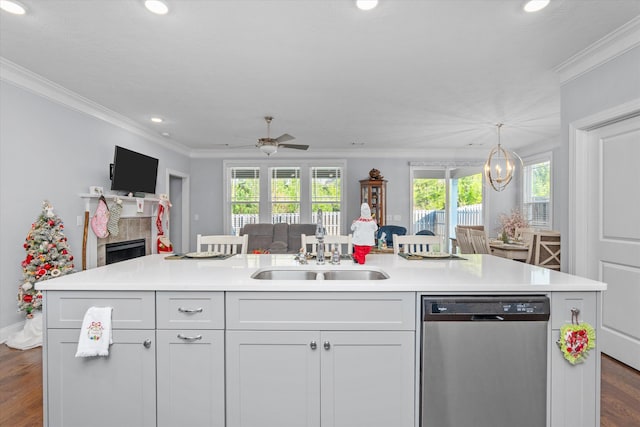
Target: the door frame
pixel 579 191
pixel 185 203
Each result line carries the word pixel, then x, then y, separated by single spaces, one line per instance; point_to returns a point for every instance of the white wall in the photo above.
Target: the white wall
pixel 48 151
pixel 612 84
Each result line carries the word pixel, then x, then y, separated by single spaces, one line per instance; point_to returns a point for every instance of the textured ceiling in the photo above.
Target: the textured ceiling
pixel 405 77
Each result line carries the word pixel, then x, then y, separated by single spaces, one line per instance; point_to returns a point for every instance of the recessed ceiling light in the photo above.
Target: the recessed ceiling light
pixel 12 7
pixel 156 120
pixel 157 6
pixel 366 4
pixel 535 5
pixel 166 134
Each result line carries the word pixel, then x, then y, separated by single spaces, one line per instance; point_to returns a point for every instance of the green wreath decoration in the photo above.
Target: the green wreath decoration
pixel 576 340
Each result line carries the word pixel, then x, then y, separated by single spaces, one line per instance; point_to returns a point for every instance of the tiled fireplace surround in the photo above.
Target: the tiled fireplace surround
pixel 129 229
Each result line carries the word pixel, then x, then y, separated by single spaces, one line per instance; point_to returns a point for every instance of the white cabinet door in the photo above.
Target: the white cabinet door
pixel 273 378
pixel 367 379
pixel 190 378
pixel 328 379
pixel 118 390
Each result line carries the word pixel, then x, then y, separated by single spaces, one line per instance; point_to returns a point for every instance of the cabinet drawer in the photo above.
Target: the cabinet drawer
pixel 190 310
pixel 131 310
pixel 321 310
pixel 563 302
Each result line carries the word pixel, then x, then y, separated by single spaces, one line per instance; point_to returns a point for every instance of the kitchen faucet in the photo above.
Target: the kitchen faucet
pixel 320 233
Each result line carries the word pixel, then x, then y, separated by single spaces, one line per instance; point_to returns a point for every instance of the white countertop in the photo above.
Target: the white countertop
pixel 476 273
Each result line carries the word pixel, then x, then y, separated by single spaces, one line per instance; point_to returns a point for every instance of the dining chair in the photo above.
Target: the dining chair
pixel 389 231
pixel 479 241
pixel 223 243
pixel 463 241
pixel 527 237
pixel 547 249
pixel 415 243
pixel 343 243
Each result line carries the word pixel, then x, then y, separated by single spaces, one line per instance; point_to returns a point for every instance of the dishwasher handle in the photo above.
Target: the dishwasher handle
pixel 486 318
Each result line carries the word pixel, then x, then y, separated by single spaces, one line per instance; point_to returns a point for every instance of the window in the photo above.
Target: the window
pixel 536 193
pixel 244 197
pixel 277 191
pixel 326 194
pixel 285 195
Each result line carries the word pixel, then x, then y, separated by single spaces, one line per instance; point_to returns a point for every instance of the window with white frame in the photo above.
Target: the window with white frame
pixel 536 193
pixel 244 196
pixel 326 194
pixel 285 195
pixel 283 192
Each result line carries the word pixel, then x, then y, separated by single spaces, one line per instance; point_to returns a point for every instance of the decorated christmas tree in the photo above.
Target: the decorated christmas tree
pixel 48 256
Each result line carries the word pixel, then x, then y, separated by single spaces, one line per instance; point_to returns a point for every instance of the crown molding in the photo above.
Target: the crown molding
pixel 360 153
pixel 604 50
pixel 26 79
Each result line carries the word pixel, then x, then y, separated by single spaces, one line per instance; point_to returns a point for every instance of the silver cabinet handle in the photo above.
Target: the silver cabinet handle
pixel 196 338
pixel 327 345
pixel 313 345
pixel 147 343
pixel 190 310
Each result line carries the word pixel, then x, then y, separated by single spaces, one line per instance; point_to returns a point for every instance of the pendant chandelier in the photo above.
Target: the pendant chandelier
pixel 501 165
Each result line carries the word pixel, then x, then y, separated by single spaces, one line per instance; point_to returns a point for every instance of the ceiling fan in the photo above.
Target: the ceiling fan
pixel 270 145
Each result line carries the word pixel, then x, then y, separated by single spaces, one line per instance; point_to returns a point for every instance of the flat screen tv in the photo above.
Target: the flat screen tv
pixel 133 172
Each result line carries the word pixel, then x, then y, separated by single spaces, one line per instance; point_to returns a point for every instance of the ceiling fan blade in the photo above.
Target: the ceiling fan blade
pixel 295 146
pixel 285 137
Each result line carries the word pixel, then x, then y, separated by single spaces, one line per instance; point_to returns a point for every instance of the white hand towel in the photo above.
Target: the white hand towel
pixel 95 335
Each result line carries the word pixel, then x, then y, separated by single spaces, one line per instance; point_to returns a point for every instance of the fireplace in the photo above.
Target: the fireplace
pixel 122 251
pixel 131 230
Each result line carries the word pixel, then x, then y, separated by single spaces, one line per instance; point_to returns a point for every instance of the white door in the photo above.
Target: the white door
pixel 613 234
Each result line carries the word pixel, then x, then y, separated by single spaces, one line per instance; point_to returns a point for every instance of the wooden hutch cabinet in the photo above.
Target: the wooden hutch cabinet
pixel 374 192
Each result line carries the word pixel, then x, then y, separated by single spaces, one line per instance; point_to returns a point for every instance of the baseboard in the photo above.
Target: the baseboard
pixel 7 331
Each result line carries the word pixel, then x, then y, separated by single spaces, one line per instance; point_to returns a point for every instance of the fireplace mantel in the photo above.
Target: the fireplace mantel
pixel 130 212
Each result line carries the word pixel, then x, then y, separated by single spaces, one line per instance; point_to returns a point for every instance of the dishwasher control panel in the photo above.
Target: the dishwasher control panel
pixel 485 308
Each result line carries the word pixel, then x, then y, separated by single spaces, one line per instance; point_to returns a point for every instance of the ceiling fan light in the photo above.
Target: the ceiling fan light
pixel 535 5
pixel 157 6
pixel 13 7
pixel 269 149
pixel 366 4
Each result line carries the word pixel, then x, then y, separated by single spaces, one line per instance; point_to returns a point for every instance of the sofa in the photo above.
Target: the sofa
pixel 278 238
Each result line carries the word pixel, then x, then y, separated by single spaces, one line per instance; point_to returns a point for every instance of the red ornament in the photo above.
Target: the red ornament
pixel 41 272
pixel 47 266
pixel 70 257
pixel 51 223
pixel 64 252
pixel 27 298
pixel 25 246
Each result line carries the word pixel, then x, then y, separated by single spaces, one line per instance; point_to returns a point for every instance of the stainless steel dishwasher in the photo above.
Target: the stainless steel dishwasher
pixel 484 361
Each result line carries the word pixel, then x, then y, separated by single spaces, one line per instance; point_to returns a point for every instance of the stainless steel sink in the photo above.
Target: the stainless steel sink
pixel 355 275
pixel 285 275
pixel 320 275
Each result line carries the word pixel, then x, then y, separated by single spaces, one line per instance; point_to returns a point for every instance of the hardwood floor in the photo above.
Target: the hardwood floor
pixel 619 394
pixel 21 390
pixel 20 387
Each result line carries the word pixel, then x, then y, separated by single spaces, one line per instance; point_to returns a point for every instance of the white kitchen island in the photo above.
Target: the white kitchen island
pixel 200 342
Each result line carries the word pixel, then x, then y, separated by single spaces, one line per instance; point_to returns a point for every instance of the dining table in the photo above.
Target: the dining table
pixel 517 251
